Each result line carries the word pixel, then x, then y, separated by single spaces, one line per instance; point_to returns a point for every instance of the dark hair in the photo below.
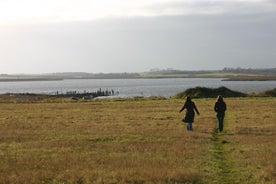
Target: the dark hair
pixel 220 98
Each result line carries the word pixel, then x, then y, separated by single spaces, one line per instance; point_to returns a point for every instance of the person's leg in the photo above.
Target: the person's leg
pixel 218 118
pixel 190 126
pixel 220 123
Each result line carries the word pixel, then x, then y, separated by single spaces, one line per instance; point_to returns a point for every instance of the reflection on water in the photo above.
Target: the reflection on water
pixel 133 87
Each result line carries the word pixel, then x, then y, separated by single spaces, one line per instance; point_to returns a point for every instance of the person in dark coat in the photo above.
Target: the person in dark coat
pixel 220 108
pixel 190 106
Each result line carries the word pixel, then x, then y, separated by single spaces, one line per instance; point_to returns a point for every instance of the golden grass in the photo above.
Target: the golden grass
pixel 136 141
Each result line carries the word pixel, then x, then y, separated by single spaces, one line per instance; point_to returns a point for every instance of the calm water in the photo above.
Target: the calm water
pixel 132 87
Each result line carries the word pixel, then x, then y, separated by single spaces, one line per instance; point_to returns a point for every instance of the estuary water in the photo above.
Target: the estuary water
pixel 132 87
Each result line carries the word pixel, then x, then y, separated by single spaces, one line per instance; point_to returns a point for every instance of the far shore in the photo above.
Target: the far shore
pixel 29 79
pixel 226 74
pixel 251 78
pixel 224 78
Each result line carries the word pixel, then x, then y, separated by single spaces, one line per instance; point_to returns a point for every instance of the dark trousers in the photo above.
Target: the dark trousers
pixel 220 121
pixel 190 126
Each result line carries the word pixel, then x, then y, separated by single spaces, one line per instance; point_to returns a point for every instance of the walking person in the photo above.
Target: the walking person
pixel 190 106
pixel 220 108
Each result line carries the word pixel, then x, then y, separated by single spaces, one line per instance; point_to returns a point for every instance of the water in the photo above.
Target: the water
pixel 133 87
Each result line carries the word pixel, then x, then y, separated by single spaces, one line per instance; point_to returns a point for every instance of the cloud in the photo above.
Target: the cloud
pixel 214 7
pixel 136 35
pixel 140 43
pixel 35 11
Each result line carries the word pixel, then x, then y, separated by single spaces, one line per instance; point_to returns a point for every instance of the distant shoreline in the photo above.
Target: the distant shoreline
pixel 263 78
pixel 226 74
pixel 237 78
pixel 197 92
pixel 30 79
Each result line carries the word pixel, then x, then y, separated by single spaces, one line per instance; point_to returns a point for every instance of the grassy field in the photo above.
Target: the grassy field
pixel 136 141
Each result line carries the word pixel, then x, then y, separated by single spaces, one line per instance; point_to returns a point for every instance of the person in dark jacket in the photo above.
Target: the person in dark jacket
pixel 190 106
pixel 220 108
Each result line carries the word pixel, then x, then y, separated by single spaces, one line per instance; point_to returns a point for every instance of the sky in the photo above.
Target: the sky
pixel 111 36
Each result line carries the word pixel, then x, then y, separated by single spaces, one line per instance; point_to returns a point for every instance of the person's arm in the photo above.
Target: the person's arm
pixel 184 106
pixel 196 109
pixel 215 108
pixel 225 106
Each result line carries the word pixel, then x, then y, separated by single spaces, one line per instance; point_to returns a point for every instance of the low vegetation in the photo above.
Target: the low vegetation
pixel 136 141
pixel 203 92
pixel 271 93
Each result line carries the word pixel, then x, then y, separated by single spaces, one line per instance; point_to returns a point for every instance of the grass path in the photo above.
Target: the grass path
pixel 243 152
pixel 223 163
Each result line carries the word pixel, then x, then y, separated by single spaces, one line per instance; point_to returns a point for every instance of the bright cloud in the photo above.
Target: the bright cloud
pixel 18 11
pixel 39 36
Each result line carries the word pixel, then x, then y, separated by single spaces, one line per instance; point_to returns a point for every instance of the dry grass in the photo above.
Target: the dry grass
pixel 135 141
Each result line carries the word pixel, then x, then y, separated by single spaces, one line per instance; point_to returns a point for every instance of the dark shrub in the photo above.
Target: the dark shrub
pixel 203 92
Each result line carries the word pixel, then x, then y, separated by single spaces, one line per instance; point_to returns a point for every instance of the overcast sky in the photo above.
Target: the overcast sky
pixel 44 36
